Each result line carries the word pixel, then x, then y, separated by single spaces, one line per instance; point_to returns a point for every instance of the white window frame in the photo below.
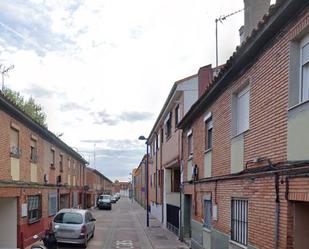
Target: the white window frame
pixel 304 42
pixel 241 116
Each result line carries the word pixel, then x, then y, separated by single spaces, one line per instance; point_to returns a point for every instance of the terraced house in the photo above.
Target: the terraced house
pixel 96 184
pixel 39 174
pixel 245 141
pixel 139 182
pixel 165 148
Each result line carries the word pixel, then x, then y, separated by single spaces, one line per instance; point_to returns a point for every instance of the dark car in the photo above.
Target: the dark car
pixel 104 202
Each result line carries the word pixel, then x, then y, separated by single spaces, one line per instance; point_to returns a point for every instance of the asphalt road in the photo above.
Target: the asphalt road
pixel 119 228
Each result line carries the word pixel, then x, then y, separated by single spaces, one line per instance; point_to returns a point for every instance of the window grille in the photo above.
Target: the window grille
pixel 239 221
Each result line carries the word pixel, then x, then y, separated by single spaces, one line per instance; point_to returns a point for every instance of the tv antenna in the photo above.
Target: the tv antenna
pixel 221 19
pixel 5 72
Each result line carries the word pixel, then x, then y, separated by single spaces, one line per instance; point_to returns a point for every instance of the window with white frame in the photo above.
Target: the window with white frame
pixel 168 125
pixel 304 68
pixel 208 133
pixel 33 151
pixel 52 158
pixel 241 109
pixel 239 221
pixel 34 208
pixel 190 144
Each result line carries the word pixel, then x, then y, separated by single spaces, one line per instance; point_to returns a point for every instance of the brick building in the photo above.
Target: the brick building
pixel 164 142
pixel 96 184
pixel 123 188
pixel 245 142
pixel 39 174
pixel 139 183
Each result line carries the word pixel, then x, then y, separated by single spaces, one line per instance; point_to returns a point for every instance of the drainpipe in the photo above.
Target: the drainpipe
pixel 181 236
pixel 162 176
pixel 277 211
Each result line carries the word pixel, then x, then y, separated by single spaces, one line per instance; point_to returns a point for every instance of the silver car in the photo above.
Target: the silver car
pixel 75 226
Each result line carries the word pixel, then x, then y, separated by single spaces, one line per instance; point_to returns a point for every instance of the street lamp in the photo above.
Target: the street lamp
pixel 147 166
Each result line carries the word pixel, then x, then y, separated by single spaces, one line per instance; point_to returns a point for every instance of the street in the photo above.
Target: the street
pixel 124 228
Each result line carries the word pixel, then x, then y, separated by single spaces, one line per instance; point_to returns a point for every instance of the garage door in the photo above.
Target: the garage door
pixel 8 218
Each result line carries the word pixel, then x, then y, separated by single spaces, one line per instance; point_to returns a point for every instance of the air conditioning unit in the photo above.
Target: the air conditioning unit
pixel 15 151
pixel 46 178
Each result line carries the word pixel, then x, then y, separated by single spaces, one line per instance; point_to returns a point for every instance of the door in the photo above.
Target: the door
pixel 89 224
pixel 8 218
pixel 301 225
pixel 187 216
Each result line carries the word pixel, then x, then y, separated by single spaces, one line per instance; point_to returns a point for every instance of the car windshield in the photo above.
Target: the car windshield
pixel 106 197
pixel 69 218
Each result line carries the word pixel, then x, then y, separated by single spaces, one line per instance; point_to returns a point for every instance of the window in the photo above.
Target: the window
pixel 150 180
pixel 162 133
pixel 33 151
pixel 168 126
pixel 175 180
pixel 208 134
pixel 157 142
pixel 190 144
pixel 241 109
pixel 14 143
pixel 52 159
pixel 305 69
pixel 61 163
pixel 34 208
pixel 52 204
pixel 207 214
pixel 69 218
pixel 239 221
pixel 177 115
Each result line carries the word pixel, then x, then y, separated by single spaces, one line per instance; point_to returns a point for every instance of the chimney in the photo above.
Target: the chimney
pixel 254 12
pixel 205 76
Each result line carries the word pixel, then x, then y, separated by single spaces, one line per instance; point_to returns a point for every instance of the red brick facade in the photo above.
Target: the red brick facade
pixel 48 178
pixel 268 78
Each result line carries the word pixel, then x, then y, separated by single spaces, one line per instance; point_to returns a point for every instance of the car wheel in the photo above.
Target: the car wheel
pixel 86 242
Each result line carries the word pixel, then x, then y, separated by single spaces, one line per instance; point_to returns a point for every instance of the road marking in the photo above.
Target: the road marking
pixel 124 244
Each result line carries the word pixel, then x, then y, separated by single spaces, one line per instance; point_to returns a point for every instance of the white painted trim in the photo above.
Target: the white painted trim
pixel 189 133
pixel 207 116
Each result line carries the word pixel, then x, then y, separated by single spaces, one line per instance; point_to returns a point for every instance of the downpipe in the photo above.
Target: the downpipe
pixel 277 211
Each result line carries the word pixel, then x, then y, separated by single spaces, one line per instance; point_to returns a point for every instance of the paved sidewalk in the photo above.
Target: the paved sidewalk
pixel 159 237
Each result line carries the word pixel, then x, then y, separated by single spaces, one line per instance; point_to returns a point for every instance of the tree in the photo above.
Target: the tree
pixel 29 106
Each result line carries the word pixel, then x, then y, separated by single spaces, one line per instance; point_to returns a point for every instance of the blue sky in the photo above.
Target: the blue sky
pixel 102 69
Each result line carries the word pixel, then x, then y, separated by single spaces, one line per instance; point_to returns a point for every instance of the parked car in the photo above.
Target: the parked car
pixel 74 226
pixel 117 196
pixel 105 202
pixel 113 199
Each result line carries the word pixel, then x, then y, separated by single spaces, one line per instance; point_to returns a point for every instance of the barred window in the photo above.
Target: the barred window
pixel 34 208
pixel 207 214
pixel 239 221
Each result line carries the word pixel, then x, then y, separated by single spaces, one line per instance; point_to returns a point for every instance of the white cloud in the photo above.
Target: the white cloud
pixel 116 55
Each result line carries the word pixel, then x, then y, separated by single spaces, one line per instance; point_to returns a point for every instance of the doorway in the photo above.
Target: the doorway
pixel 187 216
pixel 8 217
pixel 301 220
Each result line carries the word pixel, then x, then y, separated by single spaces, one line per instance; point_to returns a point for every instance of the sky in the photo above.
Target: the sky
pixel 102 69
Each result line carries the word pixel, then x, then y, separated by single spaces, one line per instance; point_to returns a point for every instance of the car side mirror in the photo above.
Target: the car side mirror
pixel 93 219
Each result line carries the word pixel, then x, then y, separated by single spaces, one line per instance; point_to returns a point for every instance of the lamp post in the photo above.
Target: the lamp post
pixel 147 166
